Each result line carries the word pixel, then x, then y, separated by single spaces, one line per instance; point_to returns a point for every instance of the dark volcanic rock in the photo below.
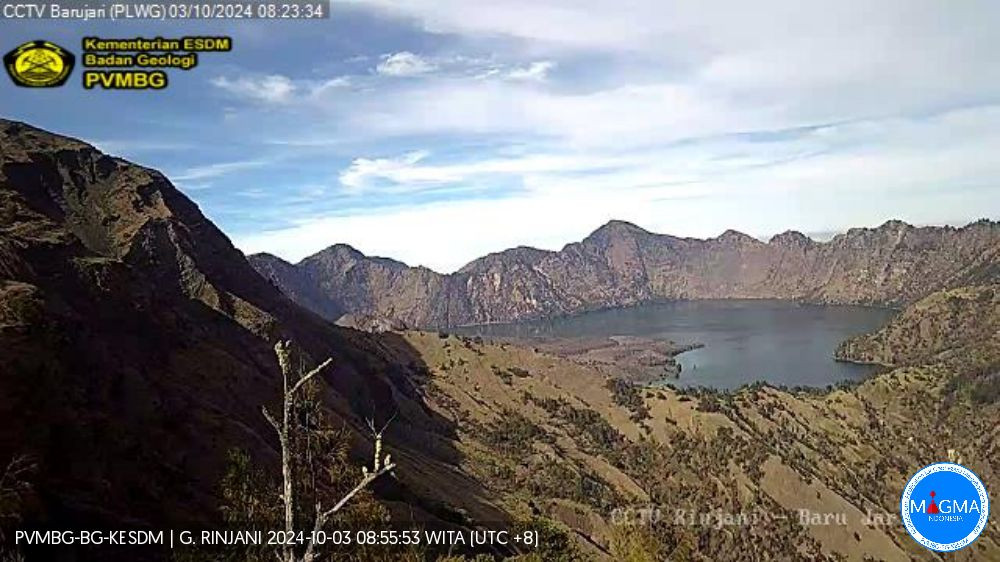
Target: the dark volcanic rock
pixel 621 264
pixel 137 344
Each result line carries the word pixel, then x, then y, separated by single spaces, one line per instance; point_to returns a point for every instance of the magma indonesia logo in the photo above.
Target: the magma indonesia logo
pixel 39 64
pixel 945 507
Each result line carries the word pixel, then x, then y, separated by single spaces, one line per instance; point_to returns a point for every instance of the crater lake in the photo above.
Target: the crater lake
pixel 780 342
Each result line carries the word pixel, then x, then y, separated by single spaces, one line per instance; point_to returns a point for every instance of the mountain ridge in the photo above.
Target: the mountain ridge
pixel 622 264
pixel 956 325
pixel 138 349
pixel 125 313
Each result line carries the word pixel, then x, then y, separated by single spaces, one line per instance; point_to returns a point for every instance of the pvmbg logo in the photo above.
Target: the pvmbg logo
pixel 39 64
pixel 945 507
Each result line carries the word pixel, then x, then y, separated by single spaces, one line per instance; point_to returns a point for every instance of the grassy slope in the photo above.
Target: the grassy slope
pixel 957 325
pixel 550 438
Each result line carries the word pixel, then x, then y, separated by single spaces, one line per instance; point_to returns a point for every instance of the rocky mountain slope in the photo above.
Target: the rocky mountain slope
pixel 621 264
pixel 137 351
pixel 136 346
pixel 958 324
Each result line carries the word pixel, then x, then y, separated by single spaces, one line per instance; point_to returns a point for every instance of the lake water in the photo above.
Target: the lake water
pixel 781 342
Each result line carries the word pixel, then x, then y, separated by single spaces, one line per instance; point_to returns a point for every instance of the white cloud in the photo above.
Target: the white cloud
pixel 835 58
pixel 644 119
pixel 278 89
pixel 133 147
pixel 411 172
pixel 324 86
pixel 404 63
pixel 487 73
pixel 273 88
pixel 483 226
pixel 536 71
pixel 615 117
pixel 211 171
pixel 363 171
pixel 829 178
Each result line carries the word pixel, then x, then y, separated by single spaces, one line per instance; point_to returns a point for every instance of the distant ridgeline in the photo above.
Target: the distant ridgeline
pixel 125 312
pixel 621 264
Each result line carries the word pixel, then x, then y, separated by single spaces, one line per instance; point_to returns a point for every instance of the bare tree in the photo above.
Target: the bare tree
pixel 287 430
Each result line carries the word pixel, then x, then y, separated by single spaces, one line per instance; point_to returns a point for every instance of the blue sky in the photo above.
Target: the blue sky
pixel 435 131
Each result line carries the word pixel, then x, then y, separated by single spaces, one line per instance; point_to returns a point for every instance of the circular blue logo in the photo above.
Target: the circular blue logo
pixel 945 507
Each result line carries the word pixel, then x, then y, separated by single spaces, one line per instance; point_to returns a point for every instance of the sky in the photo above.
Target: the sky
pixel 436 131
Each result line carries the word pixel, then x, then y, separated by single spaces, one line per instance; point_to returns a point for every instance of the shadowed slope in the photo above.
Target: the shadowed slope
pixel 137 348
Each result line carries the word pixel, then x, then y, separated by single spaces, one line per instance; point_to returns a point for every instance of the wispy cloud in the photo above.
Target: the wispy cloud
pixel 824 178
pixel 431 117
pixel 404 63
pixel 364 171
pixel 413 172
pixel 217 170
pixel 321 87
pixel 277 88
pixel 273 88
pixel 536 71
pixel 132 147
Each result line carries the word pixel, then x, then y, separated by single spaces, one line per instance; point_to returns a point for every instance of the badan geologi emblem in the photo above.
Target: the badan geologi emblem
pixel 945 507
pixel 39 64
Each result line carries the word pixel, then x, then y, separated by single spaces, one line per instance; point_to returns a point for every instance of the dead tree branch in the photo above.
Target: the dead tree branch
pixel 380 466
pixel 288 436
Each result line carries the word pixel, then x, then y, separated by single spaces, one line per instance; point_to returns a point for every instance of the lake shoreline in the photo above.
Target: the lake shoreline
pixel 722 344
pixel 652 302
pixel 637 360
pixel 861 362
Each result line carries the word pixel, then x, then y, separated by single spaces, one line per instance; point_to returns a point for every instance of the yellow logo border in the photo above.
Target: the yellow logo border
pixel 67 59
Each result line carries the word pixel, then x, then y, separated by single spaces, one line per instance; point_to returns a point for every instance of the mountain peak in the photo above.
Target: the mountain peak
pixel 737 237
pixel 339 249
pixel 266 257
pixel 615 229
pixel 345 255
pixel 615 225
pixel 983 222
pixel 135 284
pixel 894 224
pixel 889 226
pixel 790 238
pixel 518 255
